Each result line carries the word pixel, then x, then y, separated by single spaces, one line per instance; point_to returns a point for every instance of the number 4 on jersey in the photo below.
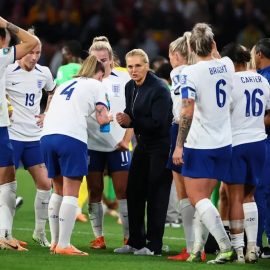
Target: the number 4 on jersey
pixel 68 90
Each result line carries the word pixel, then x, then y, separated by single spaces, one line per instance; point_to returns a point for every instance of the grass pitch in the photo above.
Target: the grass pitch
pixel 39 258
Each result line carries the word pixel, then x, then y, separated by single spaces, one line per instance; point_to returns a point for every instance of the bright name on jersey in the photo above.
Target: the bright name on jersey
pixel 215 70
pixel 251 79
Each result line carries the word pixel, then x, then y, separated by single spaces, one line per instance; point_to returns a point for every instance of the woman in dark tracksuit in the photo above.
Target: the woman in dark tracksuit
pixel 149 112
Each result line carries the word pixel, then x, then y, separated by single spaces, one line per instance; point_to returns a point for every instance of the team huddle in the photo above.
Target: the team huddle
pixel 207 125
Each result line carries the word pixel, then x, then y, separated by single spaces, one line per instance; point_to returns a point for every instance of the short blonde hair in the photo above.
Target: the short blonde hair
pixel 138 52
pixel 90 67
pixel 202 38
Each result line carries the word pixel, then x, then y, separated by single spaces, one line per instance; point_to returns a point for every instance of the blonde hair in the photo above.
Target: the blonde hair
pixel 105 39
pixel 202 38
pixel 251 65
pixel 182 46
pixel 32 32
pixel 100 38
pixel 102 45
pixel 138 52
pixel 90 67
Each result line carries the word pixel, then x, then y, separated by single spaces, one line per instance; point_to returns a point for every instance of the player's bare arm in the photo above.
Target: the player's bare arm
pixel 40 118
pixel 124 143
pixel 50 96
pixel 184 127
pixel 12 28
pixel 28 41
pixel 185 121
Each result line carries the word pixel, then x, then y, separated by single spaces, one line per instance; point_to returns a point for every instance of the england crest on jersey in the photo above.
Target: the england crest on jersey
pixel 39 84
pixel 116 90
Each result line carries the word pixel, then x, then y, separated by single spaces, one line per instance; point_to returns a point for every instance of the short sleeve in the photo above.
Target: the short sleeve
pixel 102 97
pixel 50 84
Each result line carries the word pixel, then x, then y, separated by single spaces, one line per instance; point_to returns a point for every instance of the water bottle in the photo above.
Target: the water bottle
pixel 106 127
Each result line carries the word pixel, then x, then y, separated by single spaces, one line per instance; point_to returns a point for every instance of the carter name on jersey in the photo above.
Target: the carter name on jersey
pixel 251 79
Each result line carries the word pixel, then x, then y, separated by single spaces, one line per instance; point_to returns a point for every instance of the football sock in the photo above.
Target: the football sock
pixel 41 210
pixel 7 208
pixel 200 233
pixel 237 241
pixel 123 212
pixel 212 221
pixel 67 216
pixel 187 212
pixel 53 211
pixel 251 222
pixel 96 218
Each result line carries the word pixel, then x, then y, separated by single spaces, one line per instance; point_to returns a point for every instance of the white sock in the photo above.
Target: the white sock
pixel 7 208
pixel 237 241
pixel 226 223
pixel 53 211
pixel 251 223
pixel 41 210
pixel 96 218
pixel 200 233
pixel 212 221
pixel 123 212
pixel 187 212
pixel 67 216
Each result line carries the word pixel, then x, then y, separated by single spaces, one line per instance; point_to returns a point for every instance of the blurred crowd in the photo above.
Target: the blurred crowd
pixel 147 24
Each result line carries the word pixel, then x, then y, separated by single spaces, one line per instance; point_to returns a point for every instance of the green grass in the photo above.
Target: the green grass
pixel 39 258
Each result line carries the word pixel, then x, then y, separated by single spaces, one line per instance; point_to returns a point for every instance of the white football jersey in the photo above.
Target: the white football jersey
pixel 210 84
pixel 250 99
pixel 72 104
pixel 106 142
pixel 176 92
pixel 7 56
pixel 25 91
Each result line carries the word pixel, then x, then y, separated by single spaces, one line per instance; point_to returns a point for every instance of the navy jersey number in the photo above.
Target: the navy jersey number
pixel 220 93
pixel 254 105
pixel 68 90
pixel 30 100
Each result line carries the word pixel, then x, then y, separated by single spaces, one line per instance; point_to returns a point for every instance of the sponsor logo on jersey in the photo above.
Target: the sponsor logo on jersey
pixel 116 90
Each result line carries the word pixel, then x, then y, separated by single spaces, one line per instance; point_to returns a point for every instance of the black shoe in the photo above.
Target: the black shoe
pixel 19 202
pixel 265 253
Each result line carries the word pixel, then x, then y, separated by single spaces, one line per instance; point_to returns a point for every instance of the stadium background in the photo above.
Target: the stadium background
pixel 148 24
